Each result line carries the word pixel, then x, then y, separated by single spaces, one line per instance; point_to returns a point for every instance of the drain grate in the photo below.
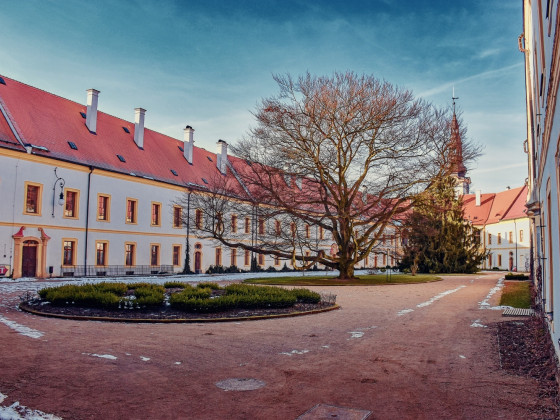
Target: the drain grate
pixel 240 384
pixel 518 312
pixel 324 411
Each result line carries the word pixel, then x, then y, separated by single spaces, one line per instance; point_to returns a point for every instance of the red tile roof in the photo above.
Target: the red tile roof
pixel 46 120
pixel 505 205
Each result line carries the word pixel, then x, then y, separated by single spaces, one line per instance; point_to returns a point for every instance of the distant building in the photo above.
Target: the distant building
pixel 504 227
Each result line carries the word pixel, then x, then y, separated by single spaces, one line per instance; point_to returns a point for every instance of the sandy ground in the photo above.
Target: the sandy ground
pixel 408 351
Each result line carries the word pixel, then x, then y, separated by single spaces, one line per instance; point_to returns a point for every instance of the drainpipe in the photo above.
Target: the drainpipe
pixel 87 219
pixel 187 265
pixel 515 224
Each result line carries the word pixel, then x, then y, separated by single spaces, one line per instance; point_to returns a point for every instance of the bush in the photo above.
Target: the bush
pixel 174 285
pixel 87 295
pixel 208 285
pixel 232 269
pixel 306 295
pixel 215 269
pixel 511 276
pixel 150 295
pixel 271 269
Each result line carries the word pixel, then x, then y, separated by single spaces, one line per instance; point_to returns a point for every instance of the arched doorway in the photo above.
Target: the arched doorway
pixel 511 261
pixel 29 258
pixel 198 258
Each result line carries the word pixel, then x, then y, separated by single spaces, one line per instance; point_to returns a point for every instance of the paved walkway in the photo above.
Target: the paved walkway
pixel 406 351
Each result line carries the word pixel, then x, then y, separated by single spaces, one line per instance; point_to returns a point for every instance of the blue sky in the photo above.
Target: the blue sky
pixel 207 63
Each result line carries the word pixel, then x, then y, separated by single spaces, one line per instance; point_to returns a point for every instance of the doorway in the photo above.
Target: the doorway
pixel 29 259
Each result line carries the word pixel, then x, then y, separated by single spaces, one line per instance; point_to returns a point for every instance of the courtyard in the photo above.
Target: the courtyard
pixel 399 351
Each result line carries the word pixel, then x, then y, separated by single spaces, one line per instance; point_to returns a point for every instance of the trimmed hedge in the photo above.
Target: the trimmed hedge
pixel 511 276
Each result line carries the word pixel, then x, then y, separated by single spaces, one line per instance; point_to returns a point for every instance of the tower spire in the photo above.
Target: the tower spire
pixel 458 169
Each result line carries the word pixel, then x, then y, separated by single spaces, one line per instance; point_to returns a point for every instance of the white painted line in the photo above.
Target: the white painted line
pixel 21 329
pixel 295 352
pixel 485 304
pixel 144 358
pixel 439 296
pixel 462 357
pixel 356 334
pixel 102 356
pixel 477 324
pixel 404 312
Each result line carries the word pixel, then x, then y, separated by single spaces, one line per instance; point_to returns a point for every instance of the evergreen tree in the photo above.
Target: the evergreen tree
pixel 438 238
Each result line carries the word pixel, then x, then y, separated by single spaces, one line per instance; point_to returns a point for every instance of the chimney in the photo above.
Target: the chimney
pixel 188 147
pixel 477 198
pixel 91 111
pixel 221 156
pixel 139 114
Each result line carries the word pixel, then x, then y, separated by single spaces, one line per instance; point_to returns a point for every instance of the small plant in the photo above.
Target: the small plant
pixel 306 295
pixel 174 285
pixel 208 285
pixel 516 276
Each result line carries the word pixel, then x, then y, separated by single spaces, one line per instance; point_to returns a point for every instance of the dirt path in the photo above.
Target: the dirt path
pixel 408 352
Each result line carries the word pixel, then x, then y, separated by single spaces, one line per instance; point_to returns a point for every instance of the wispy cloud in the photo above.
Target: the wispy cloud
pixel 501 168
pixel 485 74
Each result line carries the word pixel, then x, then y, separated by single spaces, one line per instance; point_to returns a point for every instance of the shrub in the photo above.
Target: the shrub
pixel 271 269
pixel 306 295
pixel 208 285
pixel 174 285
pixel 232 269
pixel 517 276
pixel 215 269
pixel 88 295
pixel 150 295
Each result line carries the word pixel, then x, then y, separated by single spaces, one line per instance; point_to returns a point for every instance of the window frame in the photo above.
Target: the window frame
pixel 177 218
pixel 155 205
pixel 134 219
pixel 39 199
pixel 76 215
pixel 105 253
pixel 179 249
pixel 74 251
pixel 157 246
pixel 133 254
pixel 218 255
pixel 234 223
pixel 107 217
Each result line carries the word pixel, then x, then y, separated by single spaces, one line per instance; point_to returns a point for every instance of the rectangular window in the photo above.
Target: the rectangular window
pixel 510 237
pixel 520 236
pixel 233 253
pixel 156 214
pixel 101 253
pixel 277 227
pixel 176 255
pixel 218 256
pixel 177 216
pixel 69 252
pixel 33 194
pixel 247 225
pixel 247 259
pixel 307 231
pixel 276 260
pixel 131 210
pixel 261 259
pixel 234 223
pixel 103 207
pixel 489 239
pixel 261 227
pixel 499 238
pixel 321 233
pixel 384 260
pixel 129 254
pixel 154 254
pixel 71 202
pixel 490 260
pixel 198 218
pixel 499 260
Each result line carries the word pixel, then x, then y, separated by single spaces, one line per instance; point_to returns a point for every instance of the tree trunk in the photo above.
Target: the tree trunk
pixel 346 270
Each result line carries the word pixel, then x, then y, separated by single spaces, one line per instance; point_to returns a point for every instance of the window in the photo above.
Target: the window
pixel 156 214
pixel 521 236
pixel 176 255
pixel 233 253
pixel 154 254
pixel 276 260
pixel 499 260
pixel 384 260
pixel 247 225
pixel 131 210
pixel 499 238
pixel 219 223
pixel 198 218
pixel 234 223
pixel 490 260
pixel 218 256
pixel 490 240
pixel 321 233
pixel 69 252
pixel 261 226
pixel 277 227
pixel 33 194
pixel 247 259
pixel 261 259
pixel 71 202
pixel 129 253
pixel 293 229
pixel 307 231
pixel 101 252
pixel 177 216
pixel 510 237
pixel 103 207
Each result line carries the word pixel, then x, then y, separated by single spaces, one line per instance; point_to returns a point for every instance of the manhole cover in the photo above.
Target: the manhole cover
pixel 240 384
pixel 331 412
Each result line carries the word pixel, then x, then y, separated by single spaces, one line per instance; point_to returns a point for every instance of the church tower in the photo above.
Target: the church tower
pixel 458 169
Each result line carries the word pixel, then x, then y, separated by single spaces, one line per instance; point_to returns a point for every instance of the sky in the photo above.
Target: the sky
pixel 208 63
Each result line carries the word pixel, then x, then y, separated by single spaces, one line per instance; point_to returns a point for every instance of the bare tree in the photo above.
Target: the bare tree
pixel 331 163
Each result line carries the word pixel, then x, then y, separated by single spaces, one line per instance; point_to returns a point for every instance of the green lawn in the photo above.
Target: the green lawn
pixel 368 280
pixel 516 294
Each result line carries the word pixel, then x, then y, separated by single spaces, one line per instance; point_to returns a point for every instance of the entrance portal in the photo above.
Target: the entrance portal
pixel 29 259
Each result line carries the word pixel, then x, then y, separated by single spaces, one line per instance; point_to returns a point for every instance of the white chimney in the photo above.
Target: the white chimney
pixel 139 114
pixel 221 156
pixel 188 147
pixel 91 111
pixel 477 198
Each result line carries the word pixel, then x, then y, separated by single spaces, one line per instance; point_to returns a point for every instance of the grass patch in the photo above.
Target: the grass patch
pixel 516 294
pixel 367 280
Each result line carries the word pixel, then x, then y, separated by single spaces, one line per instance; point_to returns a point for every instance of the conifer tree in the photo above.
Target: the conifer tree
pixel 437 237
